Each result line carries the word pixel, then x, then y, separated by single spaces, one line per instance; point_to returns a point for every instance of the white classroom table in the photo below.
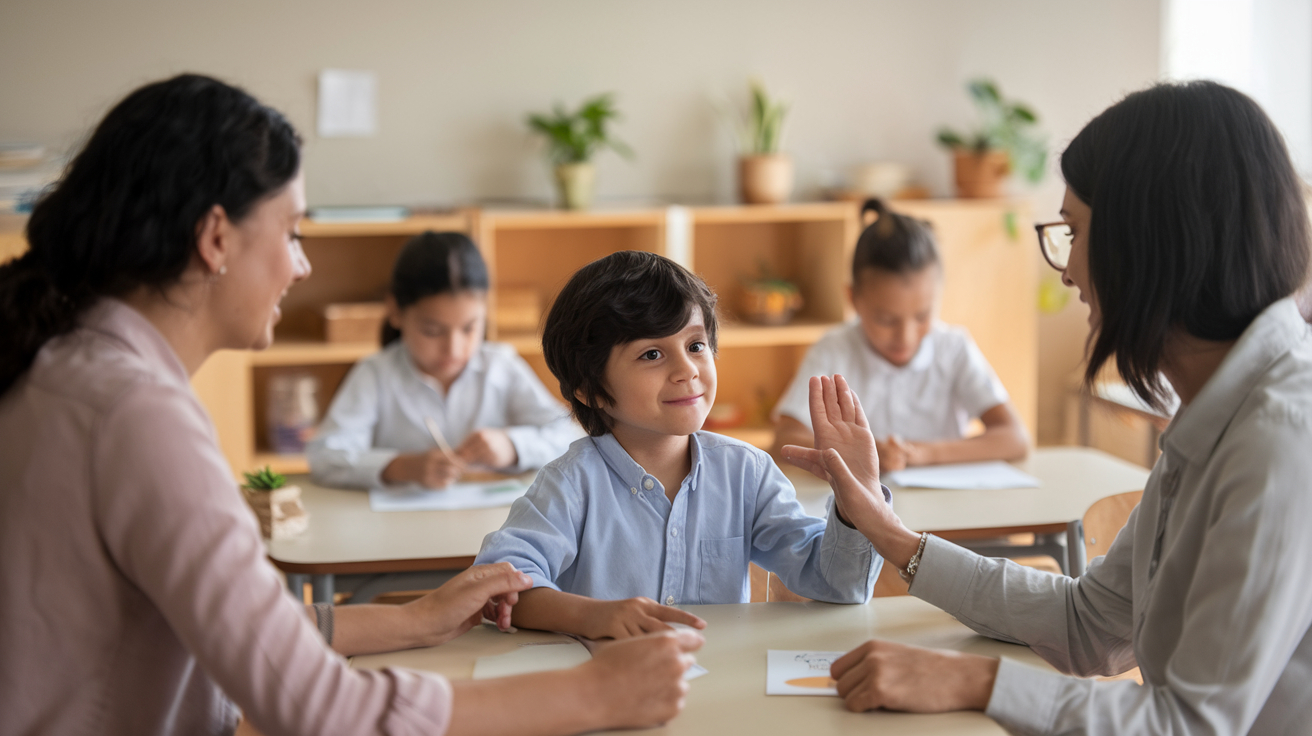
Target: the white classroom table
pixel 345 536
pixel 731 698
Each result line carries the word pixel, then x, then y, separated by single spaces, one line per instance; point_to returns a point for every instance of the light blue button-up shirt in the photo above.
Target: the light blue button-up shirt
pixel 595 523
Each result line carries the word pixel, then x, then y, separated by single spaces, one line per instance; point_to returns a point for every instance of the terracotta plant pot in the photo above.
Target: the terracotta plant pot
pixel 576 184
pixel 280 511
pixel 765 178
pixel 981 175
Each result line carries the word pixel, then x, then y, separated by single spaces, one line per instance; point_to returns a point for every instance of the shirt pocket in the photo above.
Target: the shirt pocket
pixel 723 570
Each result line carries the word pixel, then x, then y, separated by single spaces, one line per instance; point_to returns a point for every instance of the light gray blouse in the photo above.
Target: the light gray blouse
pixel 137 598
pixel 1208 589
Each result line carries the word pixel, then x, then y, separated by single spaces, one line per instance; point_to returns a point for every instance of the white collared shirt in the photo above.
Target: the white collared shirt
pixel 931 398
pixel 379 413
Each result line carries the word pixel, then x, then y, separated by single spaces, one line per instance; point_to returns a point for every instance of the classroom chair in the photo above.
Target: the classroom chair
pixel 1105 519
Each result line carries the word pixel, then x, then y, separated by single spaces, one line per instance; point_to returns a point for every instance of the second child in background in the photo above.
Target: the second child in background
pixel 921 382
pixel 435 366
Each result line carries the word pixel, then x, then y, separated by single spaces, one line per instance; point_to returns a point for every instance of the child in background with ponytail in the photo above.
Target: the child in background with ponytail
pixel 921 382
pixel 484 398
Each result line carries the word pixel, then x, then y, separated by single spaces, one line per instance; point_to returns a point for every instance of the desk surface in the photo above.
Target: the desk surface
pixel 731 698
pixel 346 536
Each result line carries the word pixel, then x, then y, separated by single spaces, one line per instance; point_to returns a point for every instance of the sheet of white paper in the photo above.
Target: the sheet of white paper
pixel 452 498
pixel 537 657
pixel 792 672
pixel 348 103
pixel 968 476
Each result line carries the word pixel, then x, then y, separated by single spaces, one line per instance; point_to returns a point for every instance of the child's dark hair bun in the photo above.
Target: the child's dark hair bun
pixel 893 242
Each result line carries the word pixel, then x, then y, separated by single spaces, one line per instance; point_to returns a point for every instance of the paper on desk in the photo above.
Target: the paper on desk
pixel 452 498
pixel 546 656
pixel 792 672
pixel 967 476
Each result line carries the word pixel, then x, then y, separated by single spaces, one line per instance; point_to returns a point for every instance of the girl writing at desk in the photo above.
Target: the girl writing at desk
pixel 921 381
pixel 435 374
pixel 139 598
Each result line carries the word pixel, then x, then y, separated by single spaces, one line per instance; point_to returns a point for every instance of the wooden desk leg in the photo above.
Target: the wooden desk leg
pixel 321 588
pixel 1075 561
pixel 296 584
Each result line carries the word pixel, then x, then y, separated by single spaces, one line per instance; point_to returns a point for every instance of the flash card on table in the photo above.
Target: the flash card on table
pixel 792 672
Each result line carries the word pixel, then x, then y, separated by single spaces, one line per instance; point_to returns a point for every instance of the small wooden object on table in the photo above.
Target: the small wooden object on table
pixel 277 505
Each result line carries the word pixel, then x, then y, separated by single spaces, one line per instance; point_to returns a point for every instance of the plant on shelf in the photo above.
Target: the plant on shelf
pixel 573 138
pixel 1006 140
pixel 765 176
pixel 277 505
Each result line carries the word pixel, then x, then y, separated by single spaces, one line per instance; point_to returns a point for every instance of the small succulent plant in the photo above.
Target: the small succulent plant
pixel 264 480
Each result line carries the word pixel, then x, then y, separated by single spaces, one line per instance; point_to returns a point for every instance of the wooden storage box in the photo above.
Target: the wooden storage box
pixel 358 322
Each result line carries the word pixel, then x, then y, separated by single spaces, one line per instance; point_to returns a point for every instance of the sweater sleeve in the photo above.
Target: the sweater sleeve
pixel 171 517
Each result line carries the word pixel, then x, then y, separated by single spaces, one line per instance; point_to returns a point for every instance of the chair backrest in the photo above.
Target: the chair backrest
pixel 1104 520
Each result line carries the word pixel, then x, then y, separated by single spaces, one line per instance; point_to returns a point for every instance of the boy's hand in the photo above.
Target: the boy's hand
pixel 490 448
pixel 639 682
pixel 840 424
pixel 432 469
pixel 632 617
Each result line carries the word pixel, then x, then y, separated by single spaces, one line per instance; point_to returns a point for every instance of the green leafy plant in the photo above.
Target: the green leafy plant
pixel 264 480
pixel 1005 125
pixel 575 137
pixel 761 130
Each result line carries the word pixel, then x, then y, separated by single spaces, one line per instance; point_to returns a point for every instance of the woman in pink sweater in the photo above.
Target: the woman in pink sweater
pixel 137 595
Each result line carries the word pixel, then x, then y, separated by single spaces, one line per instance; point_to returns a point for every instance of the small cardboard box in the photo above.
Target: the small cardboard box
pixel 519 309
pixel 357 322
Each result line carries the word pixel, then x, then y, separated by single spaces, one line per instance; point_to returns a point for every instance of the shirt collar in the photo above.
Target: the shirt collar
pixel 121 322
pixel 401 355
pixel 632 474
pixel 922 360
pixel 1197 427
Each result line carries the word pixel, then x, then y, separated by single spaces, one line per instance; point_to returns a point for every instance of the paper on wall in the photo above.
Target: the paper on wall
pixel 794 672
pixel 452 498
pixel 994 475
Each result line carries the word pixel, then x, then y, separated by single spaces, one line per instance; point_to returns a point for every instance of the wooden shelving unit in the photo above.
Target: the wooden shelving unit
pixel 991 275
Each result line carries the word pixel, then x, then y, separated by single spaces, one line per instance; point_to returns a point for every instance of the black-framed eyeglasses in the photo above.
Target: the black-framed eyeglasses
pixel 1055 241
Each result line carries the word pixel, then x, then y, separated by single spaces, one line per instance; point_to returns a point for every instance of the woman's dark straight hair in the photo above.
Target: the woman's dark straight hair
pixel 124 215
pixel 1198 222
pixel 894 243
pixel 434 263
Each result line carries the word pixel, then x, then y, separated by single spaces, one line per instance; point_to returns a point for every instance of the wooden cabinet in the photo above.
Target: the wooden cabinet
pixel 989 288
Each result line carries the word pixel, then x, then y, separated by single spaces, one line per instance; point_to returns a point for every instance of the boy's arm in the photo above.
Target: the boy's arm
pixel 1004 438
pixel 554 610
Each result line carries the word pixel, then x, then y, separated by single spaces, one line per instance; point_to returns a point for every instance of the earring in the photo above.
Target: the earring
pixel 223 270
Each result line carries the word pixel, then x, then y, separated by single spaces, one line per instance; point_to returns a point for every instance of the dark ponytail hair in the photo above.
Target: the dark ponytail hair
pixel 1198 222
pixel 894 243
pixel 434 263
pixel 124 215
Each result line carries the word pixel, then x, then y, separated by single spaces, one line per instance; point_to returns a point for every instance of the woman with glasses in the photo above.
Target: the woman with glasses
pixel 1184 230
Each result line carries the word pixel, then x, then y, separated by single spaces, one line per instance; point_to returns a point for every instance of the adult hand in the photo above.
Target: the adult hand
pixel 882 674
pixel 640 681
pixel 624 619
pixel 431 469
pixel 490 448
pixel 462 601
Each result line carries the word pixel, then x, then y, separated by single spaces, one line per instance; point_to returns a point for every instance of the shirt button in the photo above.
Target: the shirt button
pixel 674 532
pixel 634 490
pixel 647 483
pixel 669 600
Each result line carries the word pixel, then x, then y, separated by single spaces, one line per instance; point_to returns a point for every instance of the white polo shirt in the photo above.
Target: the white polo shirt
pixel 932 398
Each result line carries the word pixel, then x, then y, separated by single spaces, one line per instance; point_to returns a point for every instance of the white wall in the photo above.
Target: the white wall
pixel 868 79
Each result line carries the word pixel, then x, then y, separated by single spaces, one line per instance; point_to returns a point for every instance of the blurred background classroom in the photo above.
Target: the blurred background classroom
pixel 416 112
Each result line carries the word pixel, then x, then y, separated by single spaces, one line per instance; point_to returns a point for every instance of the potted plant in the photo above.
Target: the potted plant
pixel 769 299
pixel 765 176
pixel 573 138
pixel 277 505
pixel 1005 141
